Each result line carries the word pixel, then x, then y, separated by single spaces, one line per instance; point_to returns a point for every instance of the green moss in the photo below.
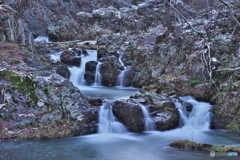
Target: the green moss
pixel 14 61
pixel 46 91
pixel 191 145
pixel 22 84
pixel 232 127
pixel 186 144
pixel 194 82
pixel 218 149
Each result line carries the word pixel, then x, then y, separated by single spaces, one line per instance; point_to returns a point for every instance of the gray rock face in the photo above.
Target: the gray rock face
pixel 45 100
pixel 59 20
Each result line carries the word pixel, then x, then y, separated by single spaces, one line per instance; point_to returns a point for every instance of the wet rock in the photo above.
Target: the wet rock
pixel 90 70
pixel 110 69
pixel 80 51
pixel 188 106
pixel 162 110
pixel 68 57
pixel 95 102
pixel 165 116
pixel 130 114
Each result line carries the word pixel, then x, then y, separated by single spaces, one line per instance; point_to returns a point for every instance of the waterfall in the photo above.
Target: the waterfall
pixel 77 73
pixel 42 38
pixel 108 122
pixel 182 111
pixel 120 79
pixel 200 115
pixel 149 124
pixel 98 78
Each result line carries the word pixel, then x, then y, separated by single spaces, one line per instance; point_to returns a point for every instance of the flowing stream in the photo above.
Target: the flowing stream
pixel 114 142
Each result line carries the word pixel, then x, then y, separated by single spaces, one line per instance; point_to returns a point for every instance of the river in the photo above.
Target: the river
pixel 114 142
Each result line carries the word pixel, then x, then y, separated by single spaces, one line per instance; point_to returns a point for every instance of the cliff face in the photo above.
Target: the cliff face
pixel 58 19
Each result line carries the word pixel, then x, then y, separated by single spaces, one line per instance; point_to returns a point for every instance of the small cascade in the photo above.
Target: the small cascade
pixel 98 78
pixel 149 124
pixel 42 38
pixel 108 122
pixel 77 73
pixel 120 79
pixel 182 111
pixel 199 117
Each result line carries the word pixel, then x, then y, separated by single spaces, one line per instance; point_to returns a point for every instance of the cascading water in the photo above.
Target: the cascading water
pixel 120 79
pixel 42 38
pixel 98 78
pixel 149 124
pixel 108 122
pixel 77 73
pixel 127 146
pixel 200 115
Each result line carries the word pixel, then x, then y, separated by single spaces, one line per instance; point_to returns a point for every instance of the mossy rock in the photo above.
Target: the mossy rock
pixel 23 84
pixel 186 144
pixel 227 109
pixel 232 127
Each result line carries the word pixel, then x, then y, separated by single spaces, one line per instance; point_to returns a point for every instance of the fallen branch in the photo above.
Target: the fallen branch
pixel 228 69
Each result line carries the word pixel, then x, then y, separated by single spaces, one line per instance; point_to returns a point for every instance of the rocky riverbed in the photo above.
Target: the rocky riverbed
pixel 199 57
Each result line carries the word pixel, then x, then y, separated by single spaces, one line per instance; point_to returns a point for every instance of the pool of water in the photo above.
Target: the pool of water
pixel 153 145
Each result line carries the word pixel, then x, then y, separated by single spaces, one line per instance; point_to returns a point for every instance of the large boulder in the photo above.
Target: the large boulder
pixel 33 100
pixel 110 69
pixel 69 58
pixel 165 116
pixel 161 108
pixel 226 110
pixel 130 114
pixel 90 70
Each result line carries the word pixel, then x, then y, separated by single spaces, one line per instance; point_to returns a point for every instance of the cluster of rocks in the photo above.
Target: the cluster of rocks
pixel 200 58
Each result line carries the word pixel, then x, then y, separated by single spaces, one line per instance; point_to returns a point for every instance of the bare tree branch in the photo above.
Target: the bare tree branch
pixel 201 33
pixel 228 69
pixel 231 13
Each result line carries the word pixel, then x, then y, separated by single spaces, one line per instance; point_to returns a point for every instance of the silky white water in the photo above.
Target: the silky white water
pixel 108 122
pixel 123 145
pixel 98 77
pixel 42 38
pixel 77 73
pixel 120 79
